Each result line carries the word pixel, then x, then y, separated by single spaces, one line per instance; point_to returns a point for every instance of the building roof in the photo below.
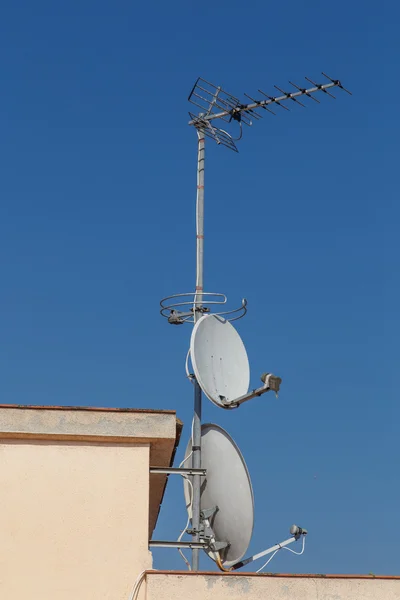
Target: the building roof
pixel 160 429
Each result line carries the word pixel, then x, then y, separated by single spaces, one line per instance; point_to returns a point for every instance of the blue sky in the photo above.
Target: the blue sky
pixel 97 224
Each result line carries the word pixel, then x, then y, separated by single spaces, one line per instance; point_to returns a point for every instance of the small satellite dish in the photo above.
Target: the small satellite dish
pixel 226 488
pixel 219 360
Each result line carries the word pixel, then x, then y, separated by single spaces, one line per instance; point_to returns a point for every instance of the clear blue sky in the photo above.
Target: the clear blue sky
pixel 97 224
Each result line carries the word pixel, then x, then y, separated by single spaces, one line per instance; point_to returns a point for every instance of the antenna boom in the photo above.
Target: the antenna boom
pixel 244 108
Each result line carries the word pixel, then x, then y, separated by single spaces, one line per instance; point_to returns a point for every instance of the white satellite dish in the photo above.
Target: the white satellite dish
pixel 227 486
pixel 219 360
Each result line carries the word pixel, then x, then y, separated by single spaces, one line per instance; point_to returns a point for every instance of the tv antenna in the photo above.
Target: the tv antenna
pixel 227 391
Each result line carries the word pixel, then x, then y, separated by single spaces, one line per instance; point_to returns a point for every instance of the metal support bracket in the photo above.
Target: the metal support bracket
pixel 176 317
pixel 272 383
pixel 196 531
pixel 208 533
pixel 161 544
pixel 207 513
pixel 178 471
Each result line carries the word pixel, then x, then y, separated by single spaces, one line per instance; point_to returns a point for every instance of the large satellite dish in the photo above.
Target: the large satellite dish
pixel 226 486
pixel 219 360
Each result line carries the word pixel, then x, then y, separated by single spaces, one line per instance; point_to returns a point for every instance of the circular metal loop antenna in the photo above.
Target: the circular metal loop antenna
pixel 226 486
pixel 181 308
pixel 219 360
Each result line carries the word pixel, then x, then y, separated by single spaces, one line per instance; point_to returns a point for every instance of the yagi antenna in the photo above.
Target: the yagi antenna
pixel 219 362
pixel 215 103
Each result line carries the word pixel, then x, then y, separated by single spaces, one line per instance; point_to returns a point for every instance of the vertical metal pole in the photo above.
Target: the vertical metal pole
pixel 196 440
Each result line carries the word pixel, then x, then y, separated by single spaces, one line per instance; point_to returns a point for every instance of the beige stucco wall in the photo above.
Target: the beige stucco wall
pixel 77 501
pixel 73 523
pixel 161 586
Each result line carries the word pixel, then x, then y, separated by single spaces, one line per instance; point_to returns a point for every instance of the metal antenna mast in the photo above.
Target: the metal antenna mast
pixel 216 104
pixel 196 428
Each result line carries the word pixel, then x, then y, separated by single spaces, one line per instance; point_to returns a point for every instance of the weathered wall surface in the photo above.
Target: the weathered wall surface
pixel 159 429
pixel 77 501
pixel 73 519
pixel 162 586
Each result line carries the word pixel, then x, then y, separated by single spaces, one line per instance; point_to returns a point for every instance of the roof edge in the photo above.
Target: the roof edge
pixel 89 408
pixel 283 575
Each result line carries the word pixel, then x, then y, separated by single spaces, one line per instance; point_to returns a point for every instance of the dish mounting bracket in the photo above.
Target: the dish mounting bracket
pixel 208 534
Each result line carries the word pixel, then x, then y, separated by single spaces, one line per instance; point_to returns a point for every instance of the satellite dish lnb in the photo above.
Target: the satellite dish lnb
pixel 226 494
pixel 298 531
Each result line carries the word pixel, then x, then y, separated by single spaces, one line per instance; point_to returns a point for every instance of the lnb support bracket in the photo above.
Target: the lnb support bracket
pixel 271 383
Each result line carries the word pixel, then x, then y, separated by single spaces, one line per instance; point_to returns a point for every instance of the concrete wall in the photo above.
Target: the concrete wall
pixel 165 586
pixel 75 512
pixel 72 522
